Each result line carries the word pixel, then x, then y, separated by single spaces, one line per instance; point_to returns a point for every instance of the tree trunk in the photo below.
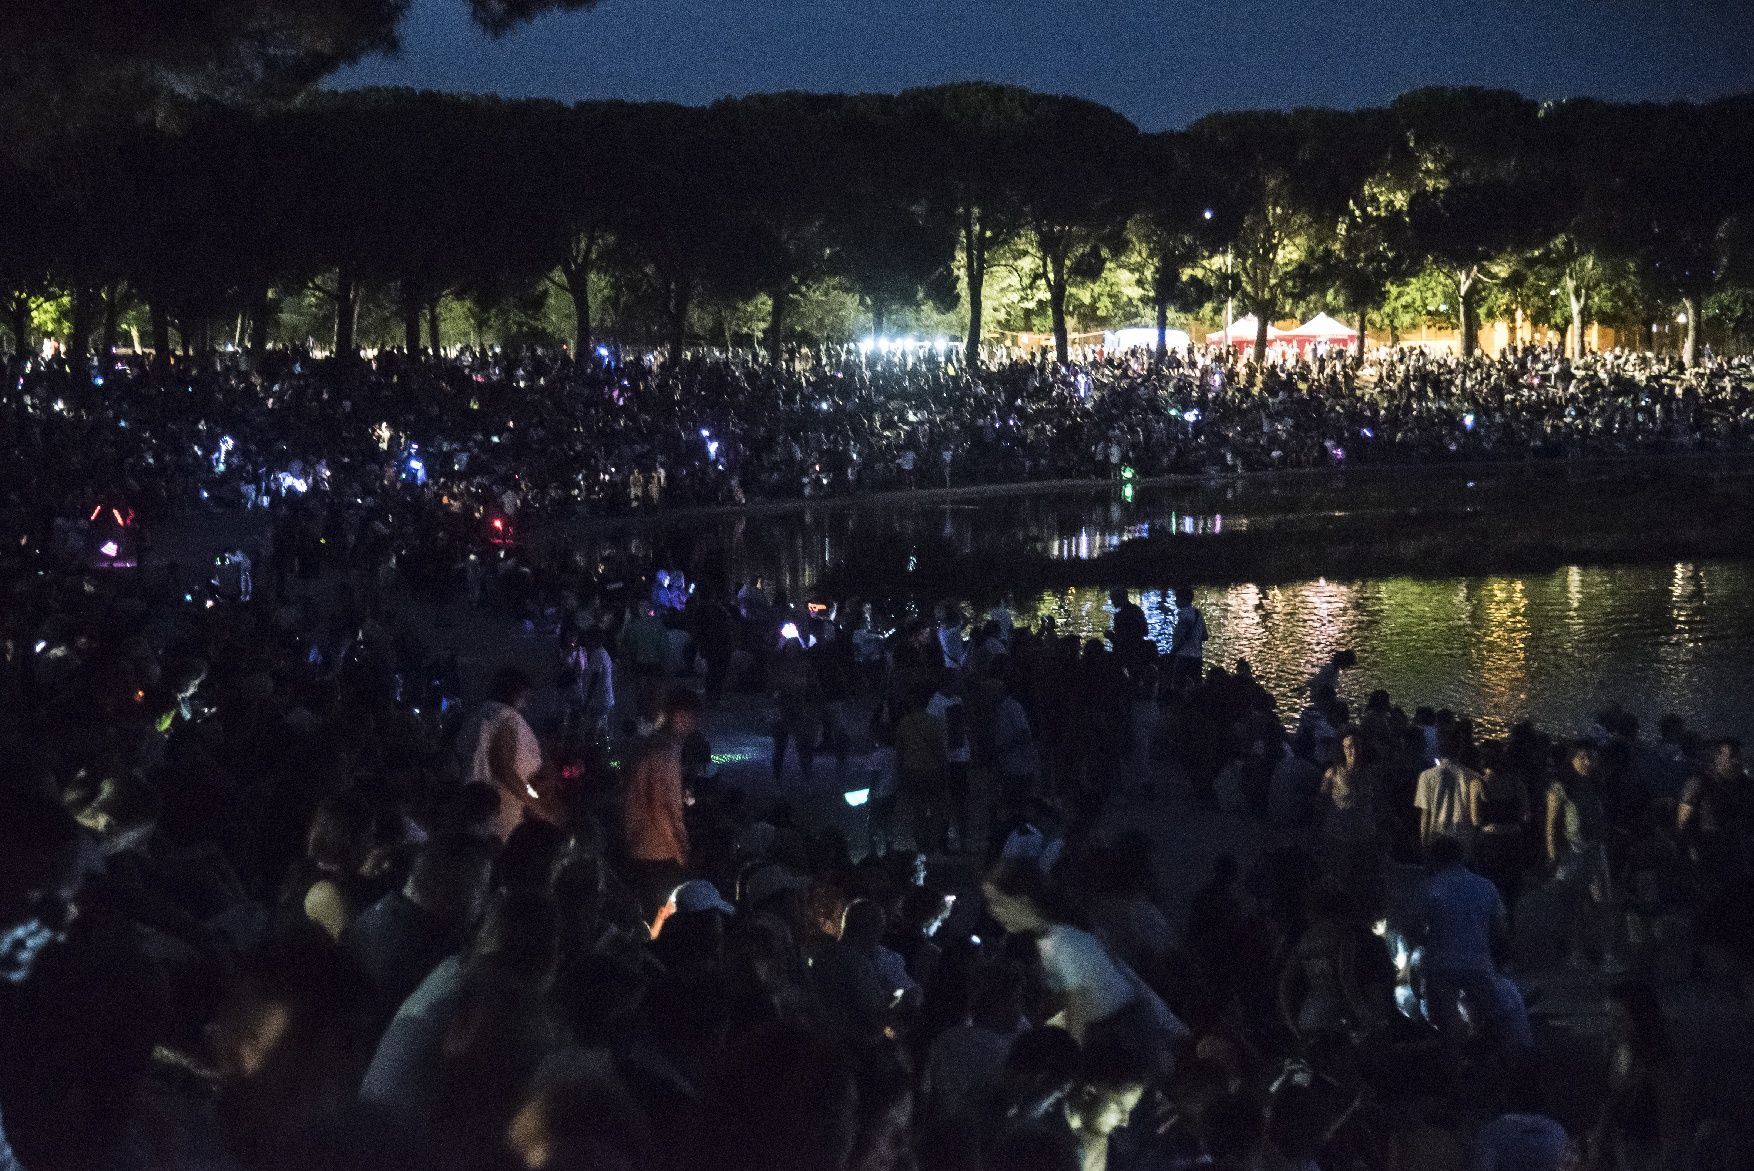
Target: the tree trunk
pixel 184 335
pixel 776 324
pixel 1578 301
pixel 411 303
pixel 346 305
pixel 1690 346
pixel 20 312
pixel 85 310
pixel 1056 274
pixel 1162 307
pixel 680 295
pixel 578 287
pixel 974 253
pixel 261 320
pixel 1465 313
pixel 432 326
pixel 1363 321
pixel 1263 316
pixel 161 335
pixel 112 312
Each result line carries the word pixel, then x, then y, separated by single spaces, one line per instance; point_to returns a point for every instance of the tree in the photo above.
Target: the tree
pixel 1479 195
pixel 889 238
pixel 1284 179
pixel 1370 246
pixel 1177 223
pixel 685 223
pixel 1687 185
pixel 974 135
pixel 26 254
pixel 793 157
pixel 96 64
pixel 1074 186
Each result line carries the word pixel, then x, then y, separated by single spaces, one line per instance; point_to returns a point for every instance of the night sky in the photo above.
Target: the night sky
pixel 1160 62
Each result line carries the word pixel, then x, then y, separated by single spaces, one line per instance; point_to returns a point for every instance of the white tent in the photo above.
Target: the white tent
pixel 1144 337
pixel 1242 332
pixel 1322 328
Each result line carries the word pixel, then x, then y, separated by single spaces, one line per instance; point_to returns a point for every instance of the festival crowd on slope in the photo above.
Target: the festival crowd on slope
pixel 540 435
pixel 277 892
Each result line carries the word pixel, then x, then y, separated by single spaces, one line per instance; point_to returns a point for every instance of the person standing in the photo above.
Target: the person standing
pixel 950 641
pixel 1462 922
pixel 654 836
pixel 41 872
pixel 1352 816
pixel 1442 792
pixel 1015 758
pixel 1499 813
pixel 946 706
pixel 591 689
pixel 1187 645
pixel 1575 840
pixel 797 703
pixel 1129 627
pixel 921 753
pixel 499 748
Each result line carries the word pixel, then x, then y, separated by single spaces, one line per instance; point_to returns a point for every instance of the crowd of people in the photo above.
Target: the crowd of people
pixel 542 435
pixel 327 915
pixel 282 885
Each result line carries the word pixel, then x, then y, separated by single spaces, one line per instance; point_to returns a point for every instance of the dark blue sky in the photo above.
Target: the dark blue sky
pixel 1160 62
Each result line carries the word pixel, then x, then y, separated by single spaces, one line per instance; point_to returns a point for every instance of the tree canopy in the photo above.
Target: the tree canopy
pixel 968 208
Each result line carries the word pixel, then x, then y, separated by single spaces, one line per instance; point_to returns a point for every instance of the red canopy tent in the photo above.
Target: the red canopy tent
pixel 1320 329
pixel 1242 333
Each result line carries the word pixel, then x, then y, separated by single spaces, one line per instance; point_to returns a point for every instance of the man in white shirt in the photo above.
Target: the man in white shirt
pixel 499 748
pixel 950 641
pixel 591 695
pixel 1441 795
pixel 1187 645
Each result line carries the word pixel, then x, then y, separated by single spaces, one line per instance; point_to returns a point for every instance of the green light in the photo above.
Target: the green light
pixel 1127 493
pixel 1127 472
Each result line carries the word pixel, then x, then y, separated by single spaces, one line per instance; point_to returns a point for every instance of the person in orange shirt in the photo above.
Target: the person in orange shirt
pixel 654 838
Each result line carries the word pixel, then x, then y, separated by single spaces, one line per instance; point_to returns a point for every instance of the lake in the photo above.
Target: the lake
pixel 1554 647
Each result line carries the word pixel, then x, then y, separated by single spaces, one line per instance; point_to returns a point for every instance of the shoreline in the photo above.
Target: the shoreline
pixel 1727 462
pixel 1647 513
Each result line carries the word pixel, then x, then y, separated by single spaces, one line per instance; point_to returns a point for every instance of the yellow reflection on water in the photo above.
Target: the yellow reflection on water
pixel 1501 645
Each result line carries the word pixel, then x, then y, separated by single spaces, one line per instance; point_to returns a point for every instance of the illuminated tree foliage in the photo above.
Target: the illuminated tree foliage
pixel 397 218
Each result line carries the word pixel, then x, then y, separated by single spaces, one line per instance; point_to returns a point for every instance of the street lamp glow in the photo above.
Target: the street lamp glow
pixel 1207 214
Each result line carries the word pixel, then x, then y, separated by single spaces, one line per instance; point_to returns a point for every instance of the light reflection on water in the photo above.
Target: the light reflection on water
pixel 1555 647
